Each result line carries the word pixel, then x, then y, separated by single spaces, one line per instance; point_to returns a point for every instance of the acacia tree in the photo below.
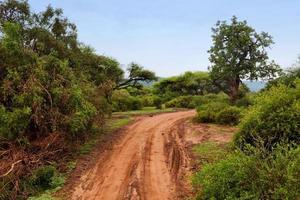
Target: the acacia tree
pixel 239 53
pixel 136 75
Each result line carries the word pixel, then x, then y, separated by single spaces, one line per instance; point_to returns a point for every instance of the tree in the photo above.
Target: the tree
pixel 189 83
pixel 137 74
pixel 239 53
pixel 288 77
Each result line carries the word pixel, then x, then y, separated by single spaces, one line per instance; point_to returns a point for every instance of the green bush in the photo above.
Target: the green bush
pixel 179 102
pixel 135 103
pixel 275 117
pixel 14 122
pixel 157 102
pixel 123 101
pixel 207 113
pixel 45 178
pixel 147 100
pixel 245 101
pixel 229 115
pixel 240 176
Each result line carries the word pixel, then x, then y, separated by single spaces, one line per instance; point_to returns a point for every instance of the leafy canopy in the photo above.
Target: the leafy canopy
pixel 239 52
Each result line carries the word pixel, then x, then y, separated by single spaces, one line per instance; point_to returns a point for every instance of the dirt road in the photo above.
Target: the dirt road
pixel 146 164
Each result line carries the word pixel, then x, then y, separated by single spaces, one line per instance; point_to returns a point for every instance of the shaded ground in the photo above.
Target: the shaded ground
pixel 149 161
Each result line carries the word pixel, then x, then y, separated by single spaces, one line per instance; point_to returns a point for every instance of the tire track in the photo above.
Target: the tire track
pixel 144 165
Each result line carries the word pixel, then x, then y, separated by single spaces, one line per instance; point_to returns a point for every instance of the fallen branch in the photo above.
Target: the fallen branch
pixel 11 169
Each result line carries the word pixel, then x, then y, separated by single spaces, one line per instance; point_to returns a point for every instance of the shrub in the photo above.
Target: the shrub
pixel 157 102
pixel 229 115
pixel 147 100
pixel 245 101
pixel 207 113
pixel 123 101
pixel 135 103
pixel 275 117
pixel 14 122
pixel 240 176
pixel 180 102
pixel 42 178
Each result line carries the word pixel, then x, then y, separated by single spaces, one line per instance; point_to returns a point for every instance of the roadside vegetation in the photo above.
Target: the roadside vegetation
pixel 58 99
pixel 56 94
pixel 263 160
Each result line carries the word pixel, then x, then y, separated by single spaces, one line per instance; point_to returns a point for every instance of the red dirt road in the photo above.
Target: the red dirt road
pixel 146 164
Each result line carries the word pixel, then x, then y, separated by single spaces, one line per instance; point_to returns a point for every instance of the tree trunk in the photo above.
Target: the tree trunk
pixel 234 90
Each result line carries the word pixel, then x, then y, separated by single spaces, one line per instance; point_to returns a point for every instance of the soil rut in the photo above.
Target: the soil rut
pixel 146 164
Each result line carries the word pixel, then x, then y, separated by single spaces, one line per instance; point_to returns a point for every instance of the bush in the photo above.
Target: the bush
pixel 157 102
pixel 245 101
pixel 45 178
pixel 229 115
pixel 179 102
pixel 123 101
pixel 207 113
pixel 14 122
pixel 275 117
pixel 240 176
pixel 147 100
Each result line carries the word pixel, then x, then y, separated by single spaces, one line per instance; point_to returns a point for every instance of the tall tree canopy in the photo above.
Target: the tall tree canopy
pixel 136 75
pixel 239 53
pixel 190 83
pixel 50 81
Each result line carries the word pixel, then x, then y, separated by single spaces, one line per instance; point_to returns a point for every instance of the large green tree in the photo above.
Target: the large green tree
pixel 239 53
pixel 189 83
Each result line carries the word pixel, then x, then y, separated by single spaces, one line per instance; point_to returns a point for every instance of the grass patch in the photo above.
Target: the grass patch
pixel 210 152
pixel 44 182
pixel 116 123
pixel 111 125
pixel 144 111
pixel 88 146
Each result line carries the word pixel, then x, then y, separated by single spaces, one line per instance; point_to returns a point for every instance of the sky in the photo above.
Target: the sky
pixel 173 36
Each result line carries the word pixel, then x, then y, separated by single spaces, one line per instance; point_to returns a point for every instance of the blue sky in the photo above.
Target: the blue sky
pixel 173 36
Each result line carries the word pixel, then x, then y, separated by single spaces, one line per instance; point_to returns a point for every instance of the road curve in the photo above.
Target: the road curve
pixel 144 165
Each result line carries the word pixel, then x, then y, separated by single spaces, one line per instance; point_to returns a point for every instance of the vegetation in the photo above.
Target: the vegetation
pixel 58 98
pixel 239 53
pixel 52 87
pixel 274 118
pixel 263 161
pixel 190 83
pixel 259 176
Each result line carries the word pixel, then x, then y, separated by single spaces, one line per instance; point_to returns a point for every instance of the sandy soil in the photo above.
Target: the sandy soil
pixel 149 162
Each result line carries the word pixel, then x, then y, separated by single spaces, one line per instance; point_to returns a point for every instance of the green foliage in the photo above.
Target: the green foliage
pixel 144 111
pixel 123 101
pixel 14 122
pixel 210 152
pixel 229 115
pixel 137 75
pixel 287 78
pixel 157 102
pixel 246 100
pixel 45 196
pixel 275 117
pixel 207 113
pixel 147 100
pixel 259 176
pixel 190 83
pixel 49 81
pixel 180 102
pixel 45 178
pixel 239 53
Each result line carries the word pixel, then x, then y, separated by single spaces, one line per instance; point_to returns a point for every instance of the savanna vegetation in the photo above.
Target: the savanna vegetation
pixel 57 95
pixel 263 160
